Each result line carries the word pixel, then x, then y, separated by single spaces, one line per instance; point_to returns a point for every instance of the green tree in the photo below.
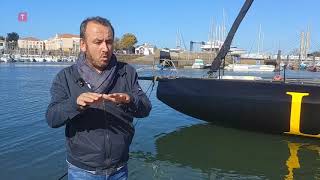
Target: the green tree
pixel 12 40
pixel 128 41
pixel 2 38
pixel 155 48
pixel 315 53
pixel 117 44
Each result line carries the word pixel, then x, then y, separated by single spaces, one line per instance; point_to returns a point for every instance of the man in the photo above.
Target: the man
pixel 96 99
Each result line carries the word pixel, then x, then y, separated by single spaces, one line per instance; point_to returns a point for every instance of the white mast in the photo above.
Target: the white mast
pixel 259 39
pixel 178 41
pixel 307 42
pixel 302 46
pixel 211 35
pixel 262 39
pixel 224 26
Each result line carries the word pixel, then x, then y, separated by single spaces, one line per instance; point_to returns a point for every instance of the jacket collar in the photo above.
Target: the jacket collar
pixel 121 70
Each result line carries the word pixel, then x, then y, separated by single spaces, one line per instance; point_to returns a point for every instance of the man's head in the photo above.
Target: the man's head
pixel 97 35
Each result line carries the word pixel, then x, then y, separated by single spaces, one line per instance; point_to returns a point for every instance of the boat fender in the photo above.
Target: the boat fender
pixel 277 78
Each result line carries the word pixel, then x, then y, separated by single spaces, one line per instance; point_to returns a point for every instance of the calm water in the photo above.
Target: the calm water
pixel 167 144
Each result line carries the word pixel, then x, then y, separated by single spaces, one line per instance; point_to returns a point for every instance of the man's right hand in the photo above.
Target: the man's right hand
pixel 88 98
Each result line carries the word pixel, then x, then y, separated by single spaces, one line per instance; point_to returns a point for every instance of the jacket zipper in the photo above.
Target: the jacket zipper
pixel 108 144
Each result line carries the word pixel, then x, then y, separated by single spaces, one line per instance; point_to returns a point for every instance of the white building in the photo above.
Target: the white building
pixel 212 46
pixel 216 45
pixel 2 44
pixel 31 43
pixel 235 51
pixel 65 42
pixel 145 49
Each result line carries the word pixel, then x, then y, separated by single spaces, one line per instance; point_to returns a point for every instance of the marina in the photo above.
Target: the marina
pixel 242 101
pixel 235 91
pixel 167 144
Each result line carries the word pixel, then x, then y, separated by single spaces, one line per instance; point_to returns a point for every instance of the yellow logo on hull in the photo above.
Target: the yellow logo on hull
pixel 295 114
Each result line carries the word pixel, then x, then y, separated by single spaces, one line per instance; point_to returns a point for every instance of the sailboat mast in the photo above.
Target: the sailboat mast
pixel 259 40
pixel 227 43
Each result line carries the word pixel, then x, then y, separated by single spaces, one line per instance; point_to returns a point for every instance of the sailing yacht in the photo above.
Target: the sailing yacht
pixel 281 106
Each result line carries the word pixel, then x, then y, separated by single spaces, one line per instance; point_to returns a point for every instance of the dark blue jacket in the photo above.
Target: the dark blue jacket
pixel 98 137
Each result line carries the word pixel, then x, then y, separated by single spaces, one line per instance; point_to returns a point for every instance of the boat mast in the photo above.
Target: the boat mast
pixel 227 43
pixel 259 40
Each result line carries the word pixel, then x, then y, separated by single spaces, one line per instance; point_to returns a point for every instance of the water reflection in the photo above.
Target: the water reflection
pixel 243 154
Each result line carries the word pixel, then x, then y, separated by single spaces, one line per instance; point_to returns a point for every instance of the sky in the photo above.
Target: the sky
pixel 157 22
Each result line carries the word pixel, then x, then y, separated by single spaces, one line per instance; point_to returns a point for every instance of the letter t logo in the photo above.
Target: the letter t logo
pixel 22 17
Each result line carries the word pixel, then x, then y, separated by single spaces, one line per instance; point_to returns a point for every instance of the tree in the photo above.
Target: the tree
pixel 315 53
pixel 12 40
pixel 128 41
pixel 2 38
pixel 155 48
pixel 117 44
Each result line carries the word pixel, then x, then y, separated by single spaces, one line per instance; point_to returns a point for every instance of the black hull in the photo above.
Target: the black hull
pixel 254 105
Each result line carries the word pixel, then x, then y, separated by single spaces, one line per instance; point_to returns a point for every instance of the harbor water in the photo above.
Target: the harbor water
pixel 167 144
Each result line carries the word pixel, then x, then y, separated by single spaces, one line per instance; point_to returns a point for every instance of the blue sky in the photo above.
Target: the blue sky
pixel 157 22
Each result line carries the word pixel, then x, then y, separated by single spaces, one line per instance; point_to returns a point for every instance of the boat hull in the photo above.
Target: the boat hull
pixel 255 105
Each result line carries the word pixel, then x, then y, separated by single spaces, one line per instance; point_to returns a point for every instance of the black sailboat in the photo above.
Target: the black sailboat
pixel 268 106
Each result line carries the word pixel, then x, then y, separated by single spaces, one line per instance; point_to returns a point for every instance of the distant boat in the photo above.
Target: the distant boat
pixel 7 58
pixel 303 66
pixel 250 68
pixel 4 59
pixel 198 64
pixel 11 60
pixel 165 59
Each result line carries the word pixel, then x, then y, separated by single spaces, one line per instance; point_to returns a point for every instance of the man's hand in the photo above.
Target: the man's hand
pixel 88 98
pixel 118 98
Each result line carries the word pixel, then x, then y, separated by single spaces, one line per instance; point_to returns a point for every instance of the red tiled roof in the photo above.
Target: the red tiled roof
pixel 68 36
pixel 30 39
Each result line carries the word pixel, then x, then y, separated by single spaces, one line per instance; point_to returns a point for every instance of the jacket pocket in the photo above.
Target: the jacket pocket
pixel 119 147
pixel 88 147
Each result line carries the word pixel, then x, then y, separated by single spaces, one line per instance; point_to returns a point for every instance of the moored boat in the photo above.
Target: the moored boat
pixel 275 107
pixel 250 68
pixel 198 64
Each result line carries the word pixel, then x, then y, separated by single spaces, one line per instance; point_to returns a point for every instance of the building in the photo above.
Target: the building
pixel 216 45
pixel 2 45
pixel 145 49
pixel 64 42
pixel 31 45
pixel 211 46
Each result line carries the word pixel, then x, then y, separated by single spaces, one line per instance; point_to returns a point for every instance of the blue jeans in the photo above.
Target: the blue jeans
pixel 75 173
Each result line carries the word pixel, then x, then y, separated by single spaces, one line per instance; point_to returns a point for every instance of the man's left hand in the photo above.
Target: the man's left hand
pixel 118 98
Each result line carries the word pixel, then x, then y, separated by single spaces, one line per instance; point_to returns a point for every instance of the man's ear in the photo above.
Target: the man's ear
pixel 83 45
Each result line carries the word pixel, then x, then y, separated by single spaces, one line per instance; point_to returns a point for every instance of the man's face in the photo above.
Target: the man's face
pixel 97 45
